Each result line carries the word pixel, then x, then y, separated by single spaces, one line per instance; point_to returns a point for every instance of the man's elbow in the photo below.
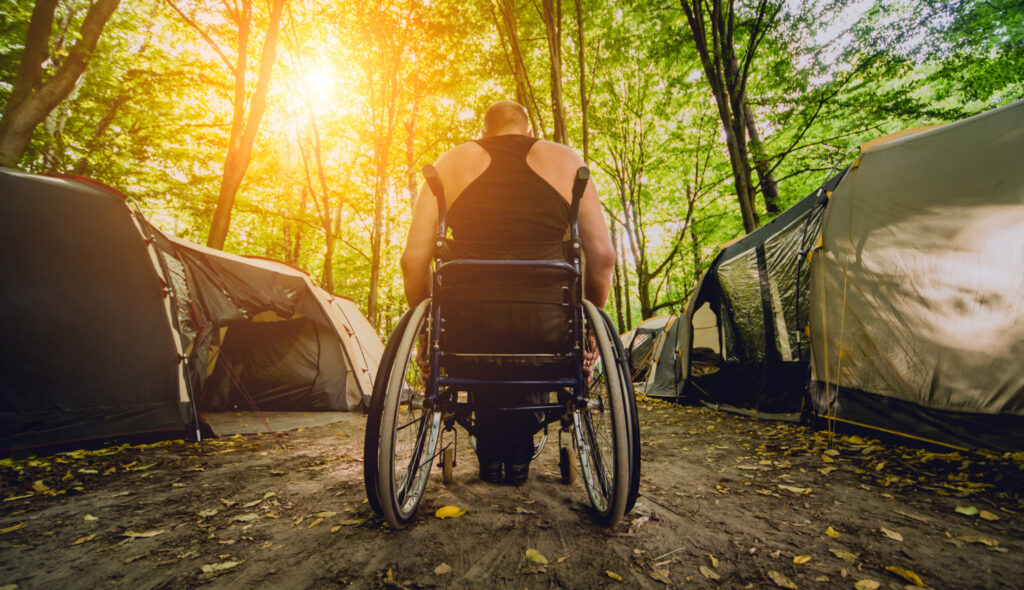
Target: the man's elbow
pixel 602 261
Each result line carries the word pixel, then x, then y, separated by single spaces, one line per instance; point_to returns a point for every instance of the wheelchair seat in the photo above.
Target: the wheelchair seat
pixel 507 320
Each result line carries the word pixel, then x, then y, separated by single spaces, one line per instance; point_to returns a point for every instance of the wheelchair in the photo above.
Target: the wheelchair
pixel 501 320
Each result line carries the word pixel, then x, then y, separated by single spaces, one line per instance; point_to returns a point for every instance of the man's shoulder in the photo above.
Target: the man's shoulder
pixel 457 153
pixel 562 152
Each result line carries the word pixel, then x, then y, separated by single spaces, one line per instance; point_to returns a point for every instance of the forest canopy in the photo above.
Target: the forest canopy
pixel 296 129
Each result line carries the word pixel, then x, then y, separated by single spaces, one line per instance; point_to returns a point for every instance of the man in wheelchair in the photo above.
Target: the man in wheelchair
pixel 508 196
pixel 503 319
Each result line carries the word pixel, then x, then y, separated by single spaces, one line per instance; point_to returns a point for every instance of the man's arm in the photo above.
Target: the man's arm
pixel 419 247
pixel 597 247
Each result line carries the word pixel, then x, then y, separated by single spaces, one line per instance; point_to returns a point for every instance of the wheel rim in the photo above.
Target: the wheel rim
pixel 595 441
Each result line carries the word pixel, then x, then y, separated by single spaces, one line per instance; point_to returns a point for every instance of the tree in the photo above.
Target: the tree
pixel 726 66
pixel 248 109
pixel 32 97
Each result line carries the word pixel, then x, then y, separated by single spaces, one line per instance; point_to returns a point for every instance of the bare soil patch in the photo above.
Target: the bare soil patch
pixel 726 501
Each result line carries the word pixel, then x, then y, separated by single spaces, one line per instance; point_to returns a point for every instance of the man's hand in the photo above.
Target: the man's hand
pixel 590 355
pixel 422 360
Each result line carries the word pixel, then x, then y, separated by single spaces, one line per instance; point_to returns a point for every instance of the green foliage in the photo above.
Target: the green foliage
pixel 401 82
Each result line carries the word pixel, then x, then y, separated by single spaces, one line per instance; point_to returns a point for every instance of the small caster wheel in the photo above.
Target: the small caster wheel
pixel 447 464
pixel 565 465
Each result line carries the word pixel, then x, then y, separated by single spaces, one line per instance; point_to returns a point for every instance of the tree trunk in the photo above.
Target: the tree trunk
pixel 584 102
pixel 553 30
pixel 379 191
pixel 32 99
pixel 769 188
pixel 243 132
pixel 507 11
pixel 726 74
pixel 617 280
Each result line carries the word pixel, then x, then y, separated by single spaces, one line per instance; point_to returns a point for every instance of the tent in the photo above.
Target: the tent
pixel 641 342
pixel 917 286
pixel 664 379
pixel 112 329
pixel 744 347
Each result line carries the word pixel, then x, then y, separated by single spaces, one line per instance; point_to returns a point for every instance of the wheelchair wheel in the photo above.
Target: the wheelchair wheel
pixel 600 430
pixel 401 435
pixel 633 422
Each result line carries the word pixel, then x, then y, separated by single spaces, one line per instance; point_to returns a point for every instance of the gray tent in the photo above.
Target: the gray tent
pixel 664 379
pixel 742 342
pixel 917 289
pixel 641 342
pixel 112 329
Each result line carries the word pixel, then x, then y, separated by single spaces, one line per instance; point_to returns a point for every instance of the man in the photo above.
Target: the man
pixel 508 186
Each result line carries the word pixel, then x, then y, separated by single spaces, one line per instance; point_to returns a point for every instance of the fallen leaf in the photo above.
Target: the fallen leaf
pixel 827 459
pixel 120 494
pixel 637 523
pixel 988 515
pixel 227 503
pixel 714 561
pixel 801 559
pixel 251 504
pixel 141 534
pixel 832 532
pixel 891 534
pixel 209 513
pixel 28 495
pixel 795 489
pixel 449 512
pixel 832 453
pixel 981 540
pixel 443 569
pixel 660 575
pixel 561 559
pixel 326 514
pixel 968 510
pixel 536 556
pixel 613 575
pixel 9 529
pixel 781 580
pixel 867 585
pixel 906 575
pixel 219 567
pixel 249 517
pixel 39 486
pixel 85 539
pixel 389 576
pixel 827 470
pixel 89 518
pixel 846 556
pixel 335 528
pixel 709 573
pixel 315 522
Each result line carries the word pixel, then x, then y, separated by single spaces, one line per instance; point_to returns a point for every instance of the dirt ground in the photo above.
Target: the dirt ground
pixel 726 501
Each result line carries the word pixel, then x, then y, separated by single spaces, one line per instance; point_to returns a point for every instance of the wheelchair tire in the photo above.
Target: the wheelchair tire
pixel 400 449
pixel 633 423
pixel 373 413
pixel 601 433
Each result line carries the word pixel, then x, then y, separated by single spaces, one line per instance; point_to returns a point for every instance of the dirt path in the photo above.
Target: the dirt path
pixel 726 501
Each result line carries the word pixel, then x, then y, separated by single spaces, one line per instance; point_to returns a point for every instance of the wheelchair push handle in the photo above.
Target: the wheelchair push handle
pixel 434 182
pixel 579 184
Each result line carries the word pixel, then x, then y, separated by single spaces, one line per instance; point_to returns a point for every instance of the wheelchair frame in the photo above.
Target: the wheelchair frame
pixel 396 494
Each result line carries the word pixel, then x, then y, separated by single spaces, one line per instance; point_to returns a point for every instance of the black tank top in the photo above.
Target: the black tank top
pixel 509 202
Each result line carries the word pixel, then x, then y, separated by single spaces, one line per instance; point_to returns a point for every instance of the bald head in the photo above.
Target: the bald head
pixel 506 117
